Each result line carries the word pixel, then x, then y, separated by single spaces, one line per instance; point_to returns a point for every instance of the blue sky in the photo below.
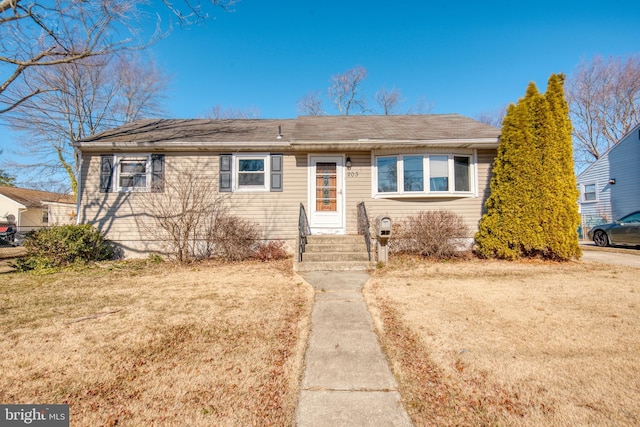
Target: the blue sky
pixel 463 57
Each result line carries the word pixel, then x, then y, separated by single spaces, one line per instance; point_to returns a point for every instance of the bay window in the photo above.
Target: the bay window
pixel 425 174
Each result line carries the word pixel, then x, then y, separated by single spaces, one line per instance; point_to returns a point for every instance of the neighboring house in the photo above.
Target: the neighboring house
pixel 610 187
pixel 267 169
pixel 33 209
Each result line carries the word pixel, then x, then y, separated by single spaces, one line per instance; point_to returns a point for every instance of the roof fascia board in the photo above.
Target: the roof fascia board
pixel 180 146
pixel 368 144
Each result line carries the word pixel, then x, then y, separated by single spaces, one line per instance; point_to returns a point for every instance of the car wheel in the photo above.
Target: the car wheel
pixel 600 238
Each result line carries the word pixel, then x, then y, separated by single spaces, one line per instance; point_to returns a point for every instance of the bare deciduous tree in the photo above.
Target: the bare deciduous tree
pixel 181 215
pixel 310 105
pixel 192 220
pixel 81 99
pixel 43 33
pixel 492 118
pixel 388 100
pixel 219 112
pixel 423 106
pixel 6 179
pixel 604 101
pixel 346 90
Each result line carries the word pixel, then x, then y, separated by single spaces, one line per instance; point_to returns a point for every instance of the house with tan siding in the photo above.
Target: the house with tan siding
pixel 268 169
pixel 33 209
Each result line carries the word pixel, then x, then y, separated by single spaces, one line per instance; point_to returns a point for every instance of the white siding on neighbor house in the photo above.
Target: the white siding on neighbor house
pixel 598 211
pixel 122 216
pixel 31 218
pixel 614 200
pixel 8 207
pixel 624 163
pixel 61 214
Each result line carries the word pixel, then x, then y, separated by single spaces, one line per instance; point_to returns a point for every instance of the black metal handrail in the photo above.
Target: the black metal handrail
pixel 363 226
pixel 303 231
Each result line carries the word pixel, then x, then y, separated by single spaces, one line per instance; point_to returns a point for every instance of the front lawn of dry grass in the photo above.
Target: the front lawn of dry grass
pixel 142 344
pixel 522 343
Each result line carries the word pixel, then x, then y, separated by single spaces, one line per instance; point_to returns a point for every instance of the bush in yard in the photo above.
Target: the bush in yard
pixel 429 233
pixel 271 251
pixel 193 220
pixel 234 238
pixel 63 245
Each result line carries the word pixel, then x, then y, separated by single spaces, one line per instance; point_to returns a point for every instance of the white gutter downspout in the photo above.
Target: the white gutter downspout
pixel 78 154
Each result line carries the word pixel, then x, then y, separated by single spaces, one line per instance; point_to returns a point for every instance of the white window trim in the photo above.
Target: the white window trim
pixel 118 158
pixel 266 187
pixel 583 192
pixel 401 193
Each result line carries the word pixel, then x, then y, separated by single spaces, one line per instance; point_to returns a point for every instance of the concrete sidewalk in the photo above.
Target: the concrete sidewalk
pixel 347 381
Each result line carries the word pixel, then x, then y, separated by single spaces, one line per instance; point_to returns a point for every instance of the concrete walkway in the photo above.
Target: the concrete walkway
pixel 347 381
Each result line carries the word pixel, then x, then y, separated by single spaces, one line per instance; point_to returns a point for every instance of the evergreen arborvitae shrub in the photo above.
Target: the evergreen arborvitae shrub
pixel 563 219
pixel 63 245
pixel 532 209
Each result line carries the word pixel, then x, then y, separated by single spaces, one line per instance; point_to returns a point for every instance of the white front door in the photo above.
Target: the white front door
pixel 326 194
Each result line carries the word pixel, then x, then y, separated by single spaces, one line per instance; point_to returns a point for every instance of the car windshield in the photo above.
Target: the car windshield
pixel 634 217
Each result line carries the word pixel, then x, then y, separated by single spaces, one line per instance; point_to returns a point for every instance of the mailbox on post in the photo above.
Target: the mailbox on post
pixel 383 226
pixel 383 233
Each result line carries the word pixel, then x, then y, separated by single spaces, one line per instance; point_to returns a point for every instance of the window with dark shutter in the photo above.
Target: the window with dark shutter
pixel 276 172
pixel 106 173
pixel 225 172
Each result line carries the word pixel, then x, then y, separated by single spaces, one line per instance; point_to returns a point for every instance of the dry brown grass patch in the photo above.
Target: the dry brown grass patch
pixel 205 344
pixel 527 343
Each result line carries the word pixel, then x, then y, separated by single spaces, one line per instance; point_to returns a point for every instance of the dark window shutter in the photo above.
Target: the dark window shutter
pixel 225 173
pixel 106 173
pixel 276 172
pixel 157 173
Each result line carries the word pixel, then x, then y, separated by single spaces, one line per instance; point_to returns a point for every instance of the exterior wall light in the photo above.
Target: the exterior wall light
pixel 612 181
pixel 348 163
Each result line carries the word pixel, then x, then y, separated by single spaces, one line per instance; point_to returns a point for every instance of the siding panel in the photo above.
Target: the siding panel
pixel 123 218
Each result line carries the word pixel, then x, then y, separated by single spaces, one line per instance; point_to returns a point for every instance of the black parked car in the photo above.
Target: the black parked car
pixel 7 233
pixel 625 231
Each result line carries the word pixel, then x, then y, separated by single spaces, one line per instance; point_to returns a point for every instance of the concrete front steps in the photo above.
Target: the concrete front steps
pixel 335 253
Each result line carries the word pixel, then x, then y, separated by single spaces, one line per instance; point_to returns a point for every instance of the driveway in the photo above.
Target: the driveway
pixel 611 255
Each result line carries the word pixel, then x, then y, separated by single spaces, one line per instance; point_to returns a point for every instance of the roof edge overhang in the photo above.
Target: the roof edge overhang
pixel 310 145
pixel 373 144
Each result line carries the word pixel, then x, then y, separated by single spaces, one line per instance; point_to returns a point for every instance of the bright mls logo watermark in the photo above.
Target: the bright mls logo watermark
pixel 34 415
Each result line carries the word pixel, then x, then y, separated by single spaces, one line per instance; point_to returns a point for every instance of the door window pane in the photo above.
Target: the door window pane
pixel 413 173
pixel 387 174
pixel 326 187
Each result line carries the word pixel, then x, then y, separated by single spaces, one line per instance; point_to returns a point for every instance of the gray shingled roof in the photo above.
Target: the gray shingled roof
pixel 417 128
pixel 35 198
pixel 316 129
pixel 194 130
